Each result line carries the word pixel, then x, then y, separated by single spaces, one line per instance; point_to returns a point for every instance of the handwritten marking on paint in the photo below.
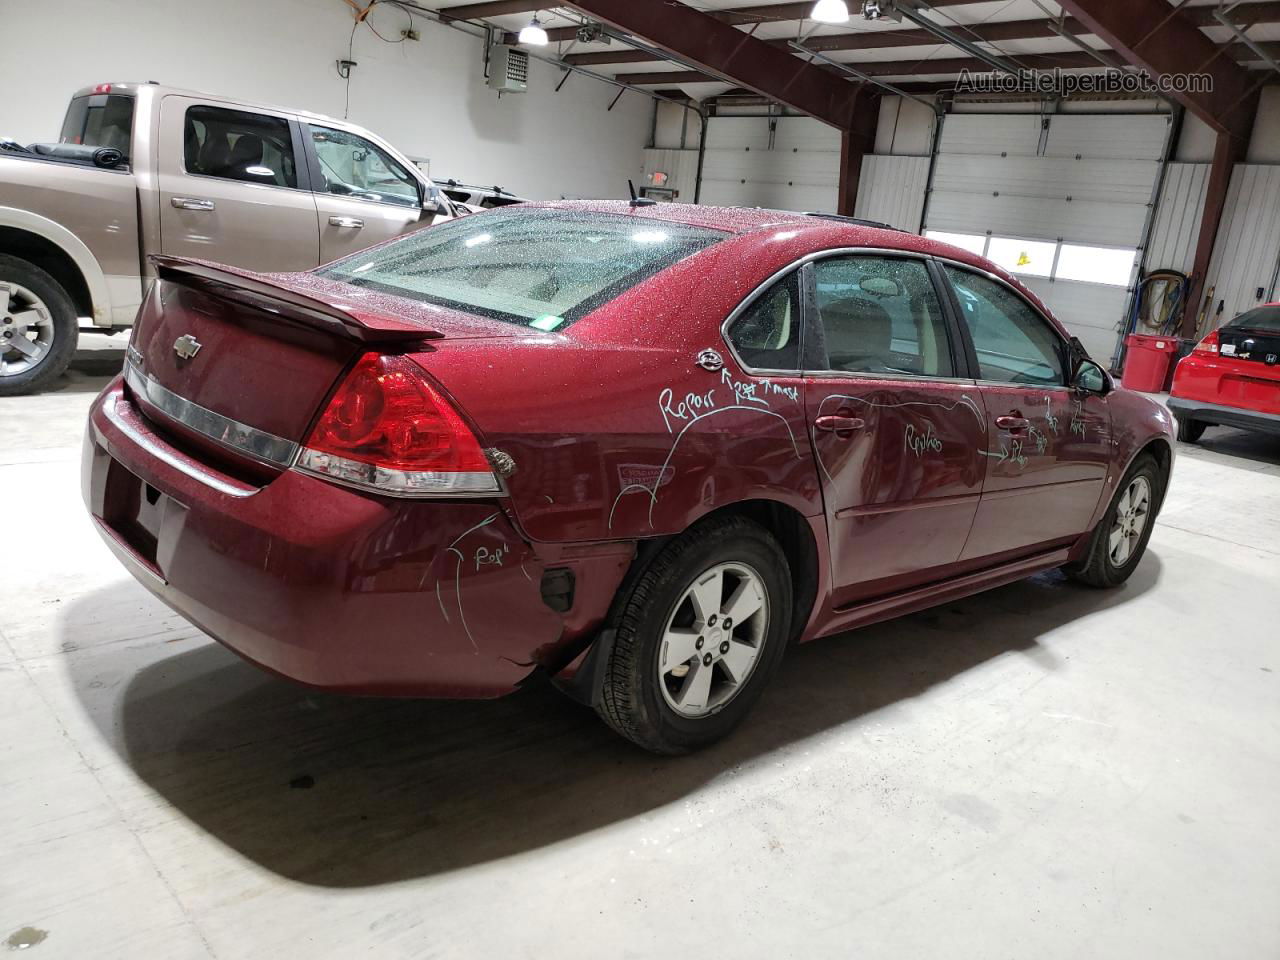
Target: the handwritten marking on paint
pixel 1041 441
pixel 1078 424
pixel 921 443
pixel 1011 454
pixel 688 409
pixel 1049 417
pixel 485 556
pixel 777 389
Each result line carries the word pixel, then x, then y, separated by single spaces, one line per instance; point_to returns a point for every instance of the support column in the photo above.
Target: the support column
pixel 855 143
pixel 1227 152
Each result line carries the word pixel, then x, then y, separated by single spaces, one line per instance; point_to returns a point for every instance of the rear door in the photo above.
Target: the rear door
pixel 1048 448
pixel 233 187
pixel 363 195
pixel 897 427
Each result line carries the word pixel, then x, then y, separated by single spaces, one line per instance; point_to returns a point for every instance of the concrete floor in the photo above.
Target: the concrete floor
pixel 1041 771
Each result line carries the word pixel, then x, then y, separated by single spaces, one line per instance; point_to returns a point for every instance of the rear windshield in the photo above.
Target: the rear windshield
pixel 539 268
pixel 1259 318
pixel 99 120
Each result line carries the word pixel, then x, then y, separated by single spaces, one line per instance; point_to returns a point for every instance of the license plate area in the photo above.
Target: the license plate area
pixel 134 510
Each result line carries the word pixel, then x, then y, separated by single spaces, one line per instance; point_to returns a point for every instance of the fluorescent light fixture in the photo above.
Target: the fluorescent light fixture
pixel 535 36
pixel 830 11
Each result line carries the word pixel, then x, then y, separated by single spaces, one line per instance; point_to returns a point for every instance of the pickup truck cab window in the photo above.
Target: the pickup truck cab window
pixel 1013 343
pixel 354 167
pixel 238 145
pixel 99 120
pixel 881 315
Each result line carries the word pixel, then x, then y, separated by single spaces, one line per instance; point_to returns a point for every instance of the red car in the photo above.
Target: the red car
pixel 1232 377
pixel 639 449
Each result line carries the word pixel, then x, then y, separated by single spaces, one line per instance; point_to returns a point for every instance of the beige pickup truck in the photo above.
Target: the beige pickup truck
pixel 143 169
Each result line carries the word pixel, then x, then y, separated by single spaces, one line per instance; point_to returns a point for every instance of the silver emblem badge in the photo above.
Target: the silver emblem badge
pixel 186 346
pixel 709 360
pixel 1271 359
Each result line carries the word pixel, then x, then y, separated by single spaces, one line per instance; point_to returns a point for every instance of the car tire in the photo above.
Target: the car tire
pixel 1108 563
pixel 647 698
pixel 1190 431
pixel 26 290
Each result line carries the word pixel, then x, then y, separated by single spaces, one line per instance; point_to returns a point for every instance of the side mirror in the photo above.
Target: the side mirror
pixel 1091 378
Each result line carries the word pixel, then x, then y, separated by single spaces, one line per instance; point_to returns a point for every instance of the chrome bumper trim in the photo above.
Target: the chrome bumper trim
pixel 261 446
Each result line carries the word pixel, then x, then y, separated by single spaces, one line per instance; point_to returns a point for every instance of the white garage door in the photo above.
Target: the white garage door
pixel 784 163
pixel 1070 182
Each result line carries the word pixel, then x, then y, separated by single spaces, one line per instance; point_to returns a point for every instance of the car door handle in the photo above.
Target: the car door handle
pixel 191 203
pixel 1012 423
pixel 840 426
pixel 354 222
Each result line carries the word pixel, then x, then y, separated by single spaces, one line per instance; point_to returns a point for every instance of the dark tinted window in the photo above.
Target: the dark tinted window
pixel 238 145
pixel 1259 318
pixel 1014 343
pixel 100 120
pixel 881 315
pixel 767 334
pixel 354 167
pixel 539 267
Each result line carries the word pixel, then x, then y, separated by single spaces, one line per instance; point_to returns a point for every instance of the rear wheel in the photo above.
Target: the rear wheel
pixel 38 327
pixel 1189 431
pixel 700 635
pixel 1120 538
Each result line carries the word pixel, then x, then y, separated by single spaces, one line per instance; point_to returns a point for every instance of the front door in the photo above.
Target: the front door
pixel 231 188
pixel 363 195
pixel 1049 447
pixel 897 432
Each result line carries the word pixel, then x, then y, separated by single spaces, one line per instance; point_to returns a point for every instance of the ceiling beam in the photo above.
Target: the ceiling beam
pixel 1153 36
pixel 494 8
pixel 729 54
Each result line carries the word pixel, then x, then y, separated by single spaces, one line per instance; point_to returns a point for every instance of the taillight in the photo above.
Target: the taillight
pixel 387 429
pixel 1208 345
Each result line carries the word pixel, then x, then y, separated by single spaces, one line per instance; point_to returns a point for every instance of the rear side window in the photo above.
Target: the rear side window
pixel 238 145
pixel 1014 344
pixel 354 167
pixel 100 120
pixel 881 315
pixel 767 334
pixel 537 267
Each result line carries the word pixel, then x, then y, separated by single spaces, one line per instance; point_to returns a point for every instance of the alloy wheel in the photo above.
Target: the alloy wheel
pixel 713 639
pixel 26 329
pixel 1132 513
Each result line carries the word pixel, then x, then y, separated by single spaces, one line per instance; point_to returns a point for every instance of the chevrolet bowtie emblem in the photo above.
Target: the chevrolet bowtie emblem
pixel 186 346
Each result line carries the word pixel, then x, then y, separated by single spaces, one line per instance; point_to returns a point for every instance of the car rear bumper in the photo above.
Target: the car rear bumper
pixel 325 585
pixel 1216 413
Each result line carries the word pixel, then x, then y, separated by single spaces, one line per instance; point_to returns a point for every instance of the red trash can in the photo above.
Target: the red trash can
pixel 1146 361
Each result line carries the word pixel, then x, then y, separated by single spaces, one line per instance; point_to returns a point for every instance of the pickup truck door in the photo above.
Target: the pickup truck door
pixel 363 195
pixel 233 187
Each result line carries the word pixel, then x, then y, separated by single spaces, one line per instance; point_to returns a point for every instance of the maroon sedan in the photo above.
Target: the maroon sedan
pixel 639 449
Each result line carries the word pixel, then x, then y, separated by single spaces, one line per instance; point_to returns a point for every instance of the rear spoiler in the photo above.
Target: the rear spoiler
pixel 278 294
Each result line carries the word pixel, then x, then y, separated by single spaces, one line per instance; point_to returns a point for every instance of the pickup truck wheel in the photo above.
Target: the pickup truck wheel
pixel 38 327
pixel 699 637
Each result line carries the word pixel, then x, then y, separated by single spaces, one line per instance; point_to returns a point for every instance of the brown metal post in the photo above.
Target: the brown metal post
pixel 1227 152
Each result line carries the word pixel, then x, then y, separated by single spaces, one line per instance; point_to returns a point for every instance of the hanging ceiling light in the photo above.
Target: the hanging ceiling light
pixel 533 34
pixel 830 11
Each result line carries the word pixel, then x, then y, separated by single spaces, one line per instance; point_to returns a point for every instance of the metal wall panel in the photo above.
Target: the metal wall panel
pixel 1032 218
pixel 1177 222
pixel 793 167
pixel 891 190
pixel 1248 245
pixel 1091 311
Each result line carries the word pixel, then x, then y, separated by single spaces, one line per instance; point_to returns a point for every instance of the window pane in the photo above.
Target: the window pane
pixel 767 335
pixel 354 167
pixel 238 145
pixel 1014 344
pixel 100 120
pixel 1111 265
pixel 972 242
pixel 1031 257
pixel 541 268
pixel 880 315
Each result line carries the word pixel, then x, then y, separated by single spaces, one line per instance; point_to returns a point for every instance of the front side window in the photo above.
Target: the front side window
pixel 881 315
pixel 354 167
pixel 767 334
pixel 1014 344
pixel 99 120
pixel 238 145
pixel 538 267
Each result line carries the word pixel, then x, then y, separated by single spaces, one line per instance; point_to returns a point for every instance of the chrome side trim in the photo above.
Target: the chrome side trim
pixel 163 455
pixel 262 446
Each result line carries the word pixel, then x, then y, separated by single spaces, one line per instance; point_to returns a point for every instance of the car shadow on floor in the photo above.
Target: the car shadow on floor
pixel 1261 448
pixel 350 792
